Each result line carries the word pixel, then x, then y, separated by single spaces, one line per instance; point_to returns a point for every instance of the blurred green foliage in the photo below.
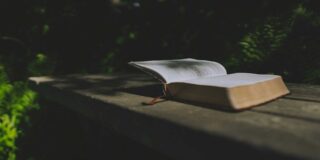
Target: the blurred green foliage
pixel 83 36
pixel 258 47
pixel 15 100
pixel 276 46
pixel 40 65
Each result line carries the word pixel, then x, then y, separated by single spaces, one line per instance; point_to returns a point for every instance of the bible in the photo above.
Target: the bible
pixel 207 82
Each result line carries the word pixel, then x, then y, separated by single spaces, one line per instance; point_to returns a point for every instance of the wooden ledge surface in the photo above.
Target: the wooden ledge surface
pixel 287 128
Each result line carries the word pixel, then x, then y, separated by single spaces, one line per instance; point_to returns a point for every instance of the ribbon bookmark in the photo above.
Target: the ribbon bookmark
pixel 155 99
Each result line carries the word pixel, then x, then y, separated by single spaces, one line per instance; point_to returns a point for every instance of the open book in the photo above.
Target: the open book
pixel 208 82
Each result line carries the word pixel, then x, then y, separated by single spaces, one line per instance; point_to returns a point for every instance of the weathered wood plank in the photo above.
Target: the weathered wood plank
pixel 294 105
pixel 304 92
pixel 292 108
pixel 287 128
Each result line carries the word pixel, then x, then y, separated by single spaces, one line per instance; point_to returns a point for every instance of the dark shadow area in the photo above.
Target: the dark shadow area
pixel 148 90
pixel 55 133
pixel 220 147
pixel 59 133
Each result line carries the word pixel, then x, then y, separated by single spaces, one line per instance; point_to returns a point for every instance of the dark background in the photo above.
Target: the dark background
pixel 40 37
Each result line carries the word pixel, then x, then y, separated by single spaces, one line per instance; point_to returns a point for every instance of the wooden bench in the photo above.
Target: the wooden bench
pixel 287 128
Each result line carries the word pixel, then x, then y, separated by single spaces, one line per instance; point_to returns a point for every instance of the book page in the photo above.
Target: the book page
pixel 181 69
pixel 232 80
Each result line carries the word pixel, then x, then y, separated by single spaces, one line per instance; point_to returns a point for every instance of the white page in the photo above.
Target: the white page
pixel 232 80
pixel 181 69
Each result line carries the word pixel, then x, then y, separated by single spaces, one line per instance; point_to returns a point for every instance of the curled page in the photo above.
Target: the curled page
pixel 179 70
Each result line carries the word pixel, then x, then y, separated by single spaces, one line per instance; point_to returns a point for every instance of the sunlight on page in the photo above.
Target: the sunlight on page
pixel 182 69
pixel 232 80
